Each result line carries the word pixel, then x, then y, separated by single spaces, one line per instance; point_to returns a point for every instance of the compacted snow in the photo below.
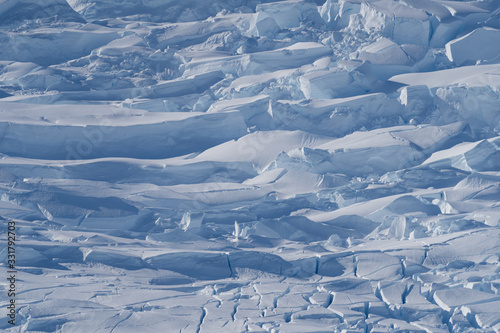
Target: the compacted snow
pixel 251 166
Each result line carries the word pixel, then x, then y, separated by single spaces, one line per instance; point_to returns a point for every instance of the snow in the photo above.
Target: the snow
pixel 251 166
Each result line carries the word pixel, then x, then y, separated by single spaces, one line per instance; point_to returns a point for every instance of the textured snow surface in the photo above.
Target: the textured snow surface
pixel 251 166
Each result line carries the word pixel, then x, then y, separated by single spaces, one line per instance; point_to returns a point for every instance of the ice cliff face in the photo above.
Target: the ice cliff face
pixel 252 166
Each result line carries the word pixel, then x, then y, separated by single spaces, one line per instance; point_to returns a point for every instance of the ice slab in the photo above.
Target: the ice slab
pixel 90 132
pixel 51 45
pixel 338 116
pixel 16 11
pixel 470 48
pixel 292 56
pixel 290 13
pixel 481 156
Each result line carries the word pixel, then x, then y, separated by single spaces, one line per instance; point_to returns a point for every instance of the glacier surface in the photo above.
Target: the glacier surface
pixel 251 165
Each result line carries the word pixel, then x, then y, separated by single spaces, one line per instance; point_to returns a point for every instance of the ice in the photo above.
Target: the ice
pixel 260 261
pixel 417 100
pixel 100 137
pixel 469 48
pixel 463 9
pixel 158 11
pixel 458 250
pixel 388 58
pixel 292 56
pixel 191 221
pixel 465 76
pixel 253 109
pixel 17 11
pixel 113 259
pixel 383 52
pixel 261 25
pixel 29 255
pixel 474 184
pixel 251 166
pixel 290 13
pixel 336 83
pixel 445 32
pixel 404 24
pixel 339 116
pixel 337 14
pixel 474 156
pixel 450 298
pixel 53 45
pixel 346 154
pixel 200 265
pixel 399 21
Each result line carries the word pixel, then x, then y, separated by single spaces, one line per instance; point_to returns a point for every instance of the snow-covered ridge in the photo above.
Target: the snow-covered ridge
pixel 252 166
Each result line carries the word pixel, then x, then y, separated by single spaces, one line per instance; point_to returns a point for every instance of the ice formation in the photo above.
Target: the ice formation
pixel 251 166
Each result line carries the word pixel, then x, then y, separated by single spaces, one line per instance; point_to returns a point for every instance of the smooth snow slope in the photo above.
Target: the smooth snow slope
pixel 251 166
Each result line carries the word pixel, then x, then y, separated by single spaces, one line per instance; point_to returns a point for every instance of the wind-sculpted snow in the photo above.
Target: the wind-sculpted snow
pixel 251 166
